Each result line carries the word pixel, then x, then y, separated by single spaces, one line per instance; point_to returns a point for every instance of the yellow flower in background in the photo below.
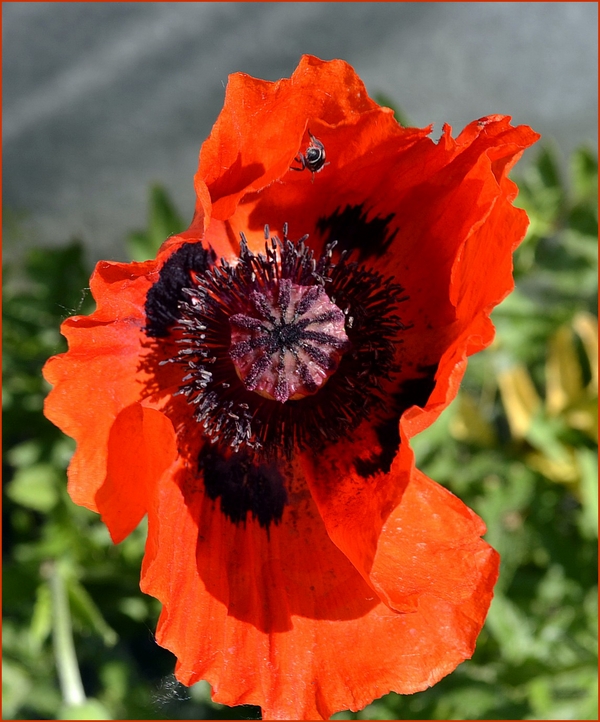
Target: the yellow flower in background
pixel 571 402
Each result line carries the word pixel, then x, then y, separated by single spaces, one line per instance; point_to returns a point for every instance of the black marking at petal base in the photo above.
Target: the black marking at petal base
pixel 414 392
pixel 162 301
pixel 244 486
pixel 351 229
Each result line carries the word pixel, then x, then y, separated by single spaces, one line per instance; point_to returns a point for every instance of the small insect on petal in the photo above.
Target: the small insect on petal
pixel 314 157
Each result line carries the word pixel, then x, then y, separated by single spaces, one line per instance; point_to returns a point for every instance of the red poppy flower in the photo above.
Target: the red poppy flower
pixel 255 398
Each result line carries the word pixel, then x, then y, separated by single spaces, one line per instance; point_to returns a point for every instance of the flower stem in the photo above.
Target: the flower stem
pixel 64 649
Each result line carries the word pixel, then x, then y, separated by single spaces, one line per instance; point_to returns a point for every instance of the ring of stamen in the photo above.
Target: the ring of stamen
pixel 271 360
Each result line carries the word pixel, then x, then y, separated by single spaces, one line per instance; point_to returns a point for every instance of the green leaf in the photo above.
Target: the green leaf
pixel 163 222
pixel 386 102
pixel 85 610
pixel 16 687
pixel 468 702
pixel 41 621
pixel 588 519
pixel 584 174
pixel 90 709
pixel 24 454
pixel 115 681
pixel 134 607
pixel 569 695
pixel 544 434
pixel 60 278
pixel 584 219
pixel 35 487
pixel 548 167
pixel 139 246
pixel 511 628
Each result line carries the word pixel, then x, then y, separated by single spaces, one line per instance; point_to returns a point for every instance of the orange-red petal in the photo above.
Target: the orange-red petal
pixel 456 230
pixel 283 620
pixel 260 128
pixel 100 375
pixel 141 446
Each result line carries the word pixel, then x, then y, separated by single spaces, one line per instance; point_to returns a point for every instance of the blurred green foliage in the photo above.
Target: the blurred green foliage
pixel 163 221
pixel 518 446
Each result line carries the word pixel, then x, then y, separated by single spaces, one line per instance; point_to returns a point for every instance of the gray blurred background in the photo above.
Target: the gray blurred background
pixel 103 99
